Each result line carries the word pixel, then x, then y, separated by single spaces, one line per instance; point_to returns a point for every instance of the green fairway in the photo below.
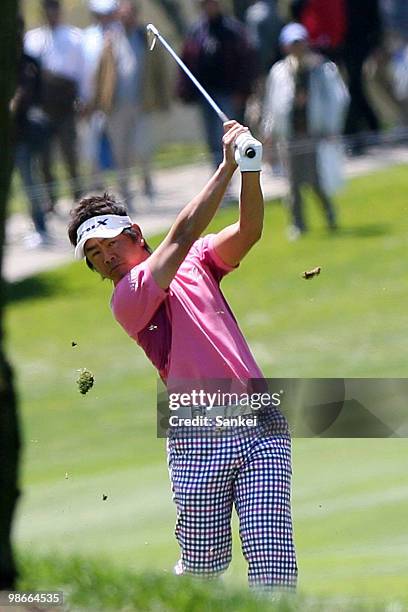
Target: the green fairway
pixel 350 496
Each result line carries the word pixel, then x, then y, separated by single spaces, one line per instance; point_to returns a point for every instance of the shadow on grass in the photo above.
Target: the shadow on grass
pixel 370 230
pixel 34 287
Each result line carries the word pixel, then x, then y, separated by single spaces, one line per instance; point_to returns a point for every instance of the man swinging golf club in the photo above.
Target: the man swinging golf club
pixel 169 301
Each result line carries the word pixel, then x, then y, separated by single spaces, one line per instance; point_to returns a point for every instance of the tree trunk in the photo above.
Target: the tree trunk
pixel 9 429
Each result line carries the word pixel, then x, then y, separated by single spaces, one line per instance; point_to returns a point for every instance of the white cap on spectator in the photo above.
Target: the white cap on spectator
pixel 293 32
pixel 103 7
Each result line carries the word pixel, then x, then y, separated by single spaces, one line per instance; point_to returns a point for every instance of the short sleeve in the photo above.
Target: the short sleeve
pixel 204 249
pixel 136 298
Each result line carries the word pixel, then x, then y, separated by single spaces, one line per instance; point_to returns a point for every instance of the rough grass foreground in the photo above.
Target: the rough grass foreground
pixel 90 585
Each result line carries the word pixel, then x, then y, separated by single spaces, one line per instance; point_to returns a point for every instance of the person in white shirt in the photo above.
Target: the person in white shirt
pixel 304 112
pixel 131 85
pixel 126 85
pixel 104 14
pixel 59 49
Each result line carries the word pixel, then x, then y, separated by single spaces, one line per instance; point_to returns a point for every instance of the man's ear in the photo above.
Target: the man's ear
pixel 137 229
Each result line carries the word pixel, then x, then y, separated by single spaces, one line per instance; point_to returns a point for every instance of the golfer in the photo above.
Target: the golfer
pixel 169 301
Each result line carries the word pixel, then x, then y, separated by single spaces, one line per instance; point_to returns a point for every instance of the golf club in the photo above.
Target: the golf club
pixel 154 34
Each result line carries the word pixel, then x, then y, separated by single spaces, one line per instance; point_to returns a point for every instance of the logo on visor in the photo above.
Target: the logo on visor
pixel 91 227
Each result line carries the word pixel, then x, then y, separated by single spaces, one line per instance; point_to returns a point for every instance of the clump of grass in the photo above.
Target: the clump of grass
pixel 85 381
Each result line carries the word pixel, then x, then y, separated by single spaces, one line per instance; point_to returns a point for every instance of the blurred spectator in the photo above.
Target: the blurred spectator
pixel 174 11
pixel 389 64
pixel 95 36
pixel 219 54
pixel 31 132
pixel 239 8
pixel 395 17
pixel 305 103
pixel 58 47
pixel 104 14
pixel 264 25
pixel 326 23
pixel 130 84
pixel 364 36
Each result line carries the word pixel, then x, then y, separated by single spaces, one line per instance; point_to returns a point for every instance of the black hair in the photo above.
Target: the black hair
pixel 94 206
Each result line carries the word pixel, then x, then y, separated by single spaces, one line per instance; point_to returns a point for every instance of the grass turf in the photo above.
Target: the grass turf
pixel 350 496
pixel 92 585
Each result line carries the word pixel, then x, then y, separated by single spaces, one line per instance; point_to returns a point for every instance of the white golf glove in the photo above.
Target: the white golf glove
pixel 243 143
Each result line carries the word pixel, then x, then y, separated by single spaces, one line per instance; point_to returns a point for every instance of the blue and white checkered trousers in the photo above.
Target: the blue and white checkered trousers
pixel 253 472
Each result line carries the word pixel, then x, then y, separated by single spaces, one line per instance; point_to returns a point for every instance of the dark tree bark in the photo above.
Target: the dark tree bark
pixel 9 429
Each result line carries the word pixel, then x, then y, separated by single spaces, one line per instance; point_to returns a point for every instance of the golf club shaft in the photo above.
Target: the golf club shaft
pixel 182 65
pixel 155 32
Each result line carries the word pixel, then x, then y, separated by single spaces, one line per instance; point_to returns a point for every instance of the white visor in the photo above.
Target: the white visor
pixel 103 226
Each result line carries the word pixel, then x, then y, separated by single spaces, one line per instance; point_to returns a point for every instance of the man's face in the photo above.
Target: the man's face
pixel 52 14
pixel 105 19
pixel 211 8
pixel 114 257
pixel 298 48
pixel 127 14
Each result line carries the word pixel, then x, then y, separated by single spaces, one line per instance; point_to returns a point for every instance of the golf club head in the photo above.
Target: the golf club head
pixel 152 34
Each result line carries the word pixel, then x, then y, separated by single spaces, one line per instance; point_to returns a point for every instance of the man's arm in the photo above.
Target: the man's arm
pixel 195 216
pixel 233 242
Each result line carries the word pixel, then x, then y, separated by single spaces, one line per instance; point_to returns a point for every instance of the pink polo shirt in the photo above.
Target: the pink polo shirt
pixel 187 331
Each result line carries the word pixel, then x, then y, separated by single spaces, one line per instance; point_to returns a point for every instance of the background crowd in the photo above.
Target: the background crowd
pixel 296 72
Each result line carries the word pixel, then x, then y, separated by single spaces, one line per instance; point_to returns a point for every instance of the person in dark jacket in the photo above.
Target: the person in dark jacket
pixel 59 49
pixel 364 36
pixel 264 24
pixel 31 132
pixel 220 55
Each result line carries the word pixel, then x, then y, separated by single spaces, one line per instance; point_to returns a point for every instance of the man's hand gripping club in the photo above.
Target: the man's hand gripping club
pixel 197 214
pixel 242 140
